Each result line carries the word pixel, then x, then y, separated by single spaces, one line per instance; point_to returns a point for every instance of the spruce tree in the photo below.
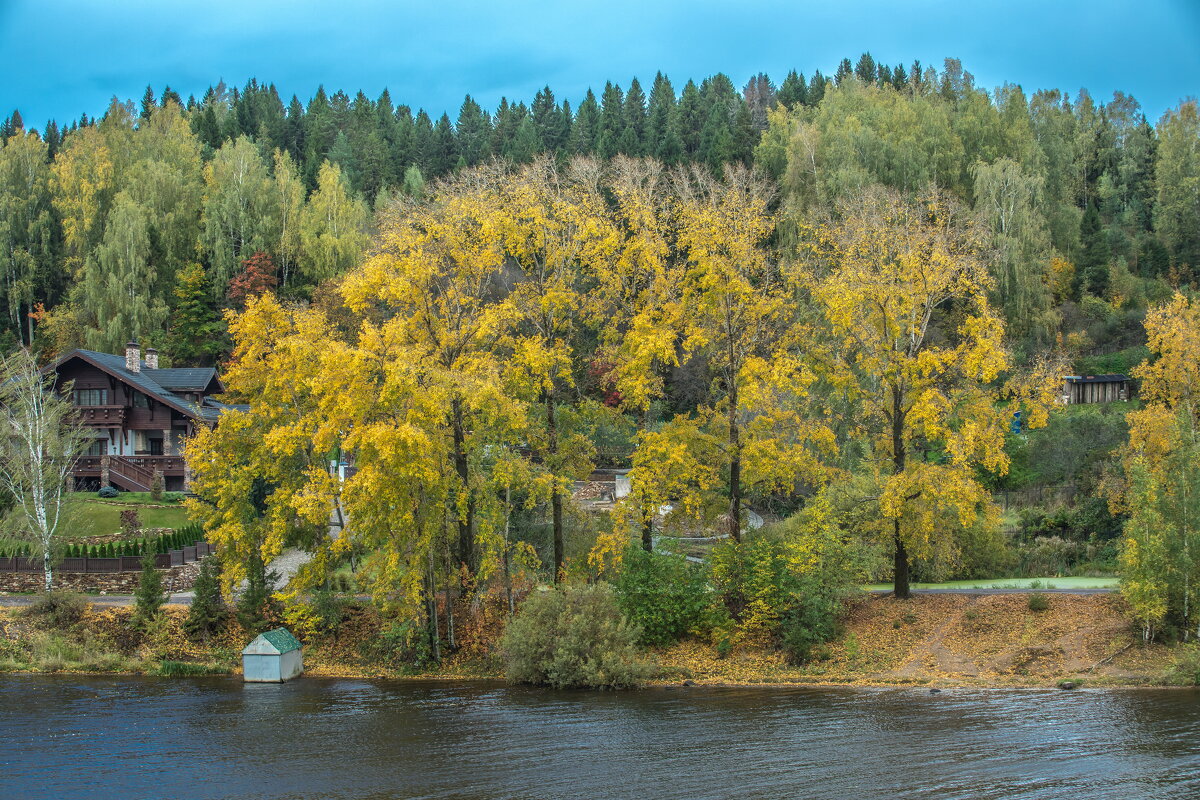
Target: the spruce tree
pixel 633 138
pixel 582 140
pixel 208 611
pixel 149 596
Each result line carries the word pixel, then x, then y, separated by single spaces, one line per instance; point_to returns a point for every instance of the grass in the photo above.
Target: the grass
pixel 89 515
pixel 1011 583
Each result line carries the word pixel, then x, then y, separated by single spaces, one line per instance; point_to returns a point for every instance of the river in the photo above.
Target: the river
pixel 127 737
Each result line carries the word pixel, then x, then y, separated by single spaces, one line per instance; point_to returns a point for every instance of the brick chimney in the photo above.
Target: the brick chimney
pixel 133 357
pixel 151 358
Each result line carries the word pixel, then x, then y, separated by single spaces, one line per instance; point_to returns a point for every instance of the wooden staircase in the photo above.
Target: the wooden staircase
pixel 129 476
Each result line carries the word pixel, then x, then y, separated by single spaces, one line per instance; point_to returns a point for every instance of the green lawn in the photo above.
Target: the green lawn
pixel 1012 583
pixel 91 516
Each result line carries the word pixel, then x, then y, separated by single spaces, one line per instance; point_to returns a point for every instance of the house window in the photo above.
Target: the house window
pixel 156 447
pixel 98 447
pixel 140 400
pixel 91 397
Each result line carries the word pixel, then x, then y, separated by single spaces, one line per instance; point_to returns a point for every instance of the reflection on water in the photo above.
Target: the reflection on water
pixel 217 738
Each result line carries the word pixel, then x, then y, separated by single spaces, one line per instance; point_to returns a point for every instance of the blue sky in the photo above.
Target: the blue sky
pixel 64 57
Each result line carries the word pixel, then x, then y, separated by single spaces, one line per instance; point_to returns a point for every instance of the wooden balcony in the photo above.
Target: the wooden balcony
pixel 102 416
pixel 135 468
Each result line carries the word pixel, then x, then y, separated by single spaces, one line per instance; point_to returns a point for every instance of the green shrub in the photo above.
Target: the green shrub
pixel 573 637
pixel 812 619
pixel 60 609
pixel 1038 602
pixel 172 497
pixel 405 645
pixel 108 493
pixel 664 595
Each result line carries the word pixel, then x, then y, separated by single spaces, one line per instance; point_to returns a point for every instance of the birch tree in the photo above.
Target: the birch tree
pixel 42 438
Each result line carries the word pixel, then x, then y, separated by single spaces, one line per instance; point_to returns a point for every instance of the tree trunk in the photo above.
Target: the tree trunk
pixel 512 608
pixel 735 467
pixel 647 513
pixel 555 497
pixel 46 567
pixel 466 524
pixel 900 586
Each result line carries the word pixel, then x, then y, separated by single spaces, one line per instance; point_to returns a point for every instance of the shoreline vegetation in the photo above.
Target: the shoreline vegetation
pixel 934 641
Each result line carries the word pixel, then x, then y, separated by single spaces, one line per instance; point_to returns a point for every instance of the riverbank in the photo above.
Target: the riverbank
pixel 931 640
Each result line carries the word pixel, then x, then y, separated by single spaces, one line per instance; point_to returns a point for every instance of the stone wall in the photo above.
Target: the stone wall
pixel 175 579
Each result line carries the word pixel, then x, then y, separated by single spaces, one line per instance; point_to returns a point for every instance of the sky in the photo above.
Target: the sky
pixel 67 57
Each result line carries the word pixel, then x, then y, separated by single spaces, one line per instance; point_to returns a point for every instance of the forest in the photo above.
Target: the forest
pixel 824 300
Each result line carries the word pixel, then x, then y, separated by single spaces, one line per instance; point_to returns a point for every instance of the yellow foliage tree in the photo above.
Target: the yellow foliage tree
pixel 738 315
pixel 555 229
pixel 1161 549
pixel 915 349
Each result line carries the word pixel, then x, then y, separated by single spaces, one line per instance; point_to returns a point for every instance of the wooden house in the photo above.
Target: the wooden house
pixel 1096 389
pixel 140 416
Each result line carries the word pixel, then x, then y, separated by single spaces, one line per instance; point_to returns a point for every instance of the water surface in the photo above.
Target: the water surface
pixel 128 737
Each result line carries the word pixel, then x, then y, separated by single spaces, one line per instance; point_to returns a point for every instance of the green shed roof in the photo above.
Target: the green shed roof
pixel 282 640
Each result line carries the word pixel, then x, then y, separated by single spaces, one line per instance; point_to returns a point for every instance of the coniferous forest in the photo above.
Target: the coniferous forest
pixel 697 282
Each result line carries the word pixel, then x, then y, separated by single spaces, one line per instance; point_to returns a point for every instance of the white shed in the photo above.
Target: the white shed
pixel 273 657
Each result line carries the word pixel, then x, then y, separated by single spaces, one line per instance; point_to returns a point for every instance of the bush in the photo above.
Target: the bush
pixel 812 619
pixel 664 595
pixel 208 609
pixel 60 609
pixel 573 637
pixel 131 523
pixel 405 645
pixel 172 497
pixel 1186 669
pixel 107 493
pixel 1038 602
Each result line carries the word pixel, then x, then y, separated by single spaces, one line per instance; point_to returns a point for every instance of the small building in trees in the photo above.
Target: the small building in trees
pixel 1096 389
pixel 139 416
pixel 273 657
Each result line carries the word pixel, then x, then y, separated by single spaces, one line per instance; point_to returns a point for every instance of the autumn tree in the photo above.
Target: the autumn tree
pixel 258 275
pixel 1161 553
pixel 636 305
pixel 554 228
pixel 915 348
pixel 436 286
pixel 757 430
